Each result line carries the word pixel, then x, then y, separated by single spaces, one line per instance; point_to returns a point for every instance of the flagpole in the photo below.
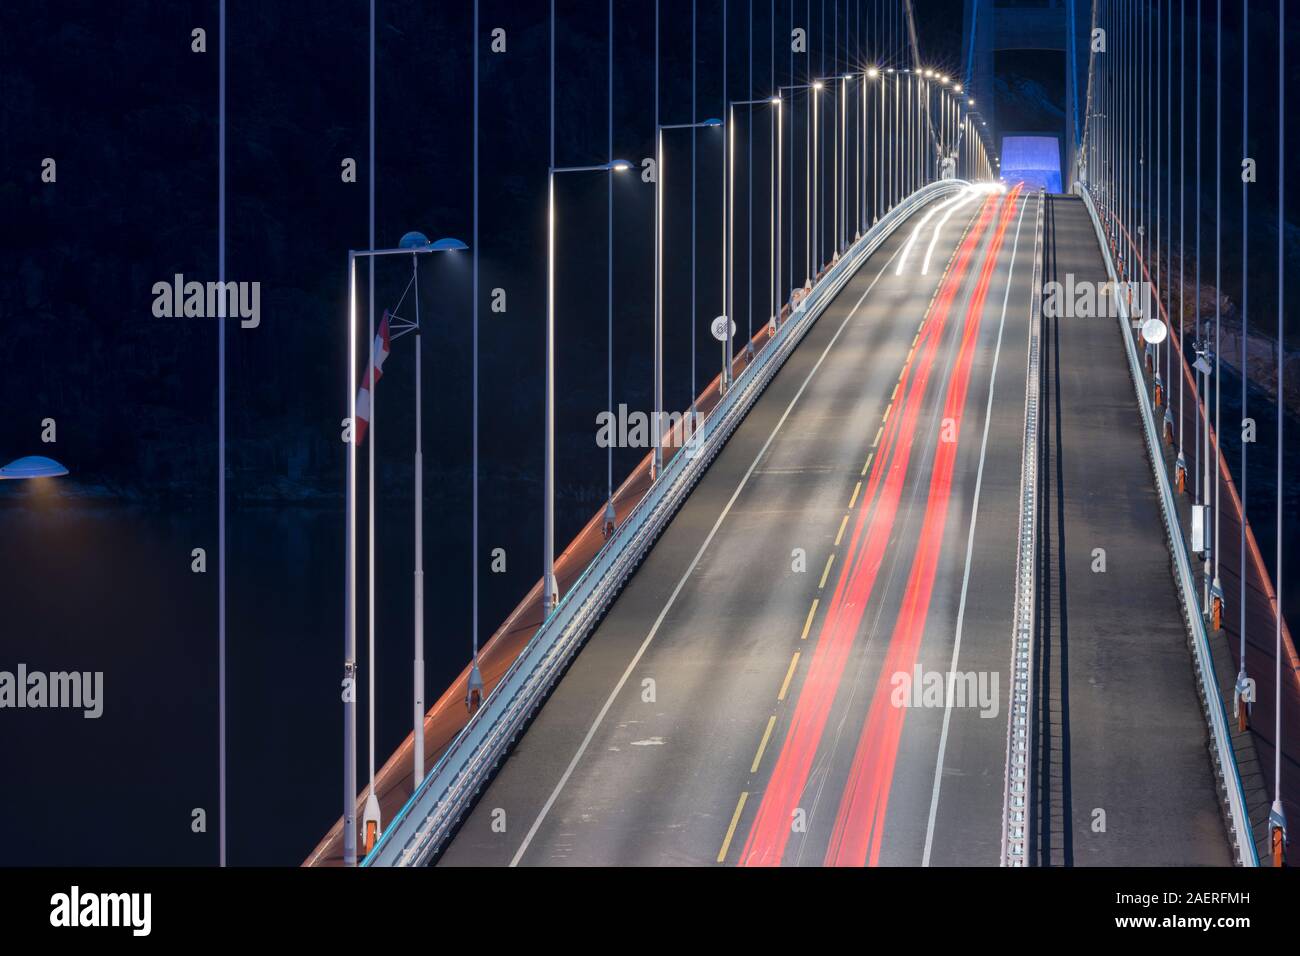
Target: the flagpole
pixel 418 774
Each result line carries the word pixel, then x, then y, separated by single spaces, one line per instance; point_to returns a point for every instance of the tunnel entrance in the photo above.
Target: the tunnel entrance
pixel 1036 159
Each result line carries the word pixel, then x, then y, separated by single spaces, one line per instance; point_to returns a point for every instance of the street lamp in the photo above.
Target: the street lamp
pixel 550 593
pixel 417 243
pixel 729 252
pixel 32 466
pixel 774 224
pixel 656 422
pixel 809 179
pixel 412 244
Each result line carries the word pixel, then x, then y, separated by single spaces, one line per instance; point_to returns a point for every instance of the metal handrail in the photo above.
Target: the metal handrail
pixel 1024 615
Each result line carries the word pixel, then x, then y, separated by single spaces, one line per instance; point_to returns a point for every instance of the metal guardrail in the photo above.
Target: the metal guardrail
pixel 1024 615
pixel 425 822
pixel 1216 714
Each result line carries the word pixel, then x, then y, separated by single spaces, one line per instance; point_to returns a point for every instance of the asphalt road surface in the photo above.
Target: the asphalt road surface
pixel 1123 770
pixel 751 698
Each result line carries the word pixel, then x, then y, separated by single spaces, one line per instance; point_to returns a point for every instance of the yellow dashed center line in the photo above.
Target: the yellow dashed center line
pixel 826 571
pixel 789 675
pixel 731 830
pixel 808 623
pixel 812 611
pixel 762 744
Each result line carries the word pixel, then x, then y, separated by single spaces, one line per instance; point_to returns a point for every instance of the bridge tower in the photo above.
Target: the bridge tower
pixel 1054 25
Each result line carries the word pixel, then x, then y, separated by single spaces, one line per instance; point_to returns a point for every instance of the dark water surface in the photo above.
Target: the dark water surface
pixel 95 587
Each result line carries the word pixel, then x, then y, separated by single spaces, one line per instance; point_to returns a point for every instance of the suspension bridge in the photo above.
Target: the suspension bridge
pixel 946 566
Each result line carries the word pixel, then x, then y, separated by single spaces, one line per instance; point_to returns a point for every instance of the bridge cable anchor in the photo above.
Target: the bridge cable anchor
pixel 1216 604
pixel 610 521
pixel 371 822
pixel 1277 833
pixel 474 688
pixel 1241 701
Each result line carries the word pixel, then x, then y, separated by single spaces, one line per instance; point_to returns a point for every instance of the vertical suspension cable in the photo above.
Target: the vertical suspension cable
pixel 474 367
pixel 1182 219
pixel 609 262
pixel 694 285
pixel 370 477
pixel 1157 173
pixel 1196 306
pixel 728 146
pixel 1245 288
pixel 1169 208
pixel 1203 403
pixel 1277 817
pixel 1218 286
pixel 221 441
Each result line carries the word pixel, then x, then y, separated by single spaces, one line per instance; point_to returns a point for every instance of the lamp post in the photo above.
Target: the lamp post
pixel 774 222
pixel 550 592
pixel 841 171
pixel 32 466
pixel 656 421
pixel 809 180
pixel 414 244
pixel 729 256
pixel 418 243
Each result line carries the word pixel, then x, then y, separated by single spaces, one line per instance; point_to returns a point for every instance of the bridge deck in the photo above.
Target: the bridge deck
pixel 682 729
pixel 1119 726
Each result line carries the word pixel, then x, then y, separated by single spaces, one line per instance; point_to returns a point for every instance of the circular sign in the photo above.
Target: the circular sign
pixel 1154 331
pixel 719 328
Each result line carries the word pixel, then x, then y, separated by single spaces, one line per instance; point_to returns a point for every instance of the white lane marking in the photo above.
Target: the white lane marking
pixel 636 658
pixel 929 251
pixel 970 547
pixel 920 227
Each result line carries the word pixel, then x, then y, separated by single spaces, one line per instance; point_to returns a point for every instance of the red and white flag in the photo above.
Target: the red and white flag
pixel 378 353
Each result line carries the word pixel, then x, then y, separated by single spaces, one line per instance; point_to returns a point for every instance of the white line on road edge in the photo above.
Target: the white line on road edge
pixel 920 227
pixel 970 547
pixel 934 239
pixel 636 658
